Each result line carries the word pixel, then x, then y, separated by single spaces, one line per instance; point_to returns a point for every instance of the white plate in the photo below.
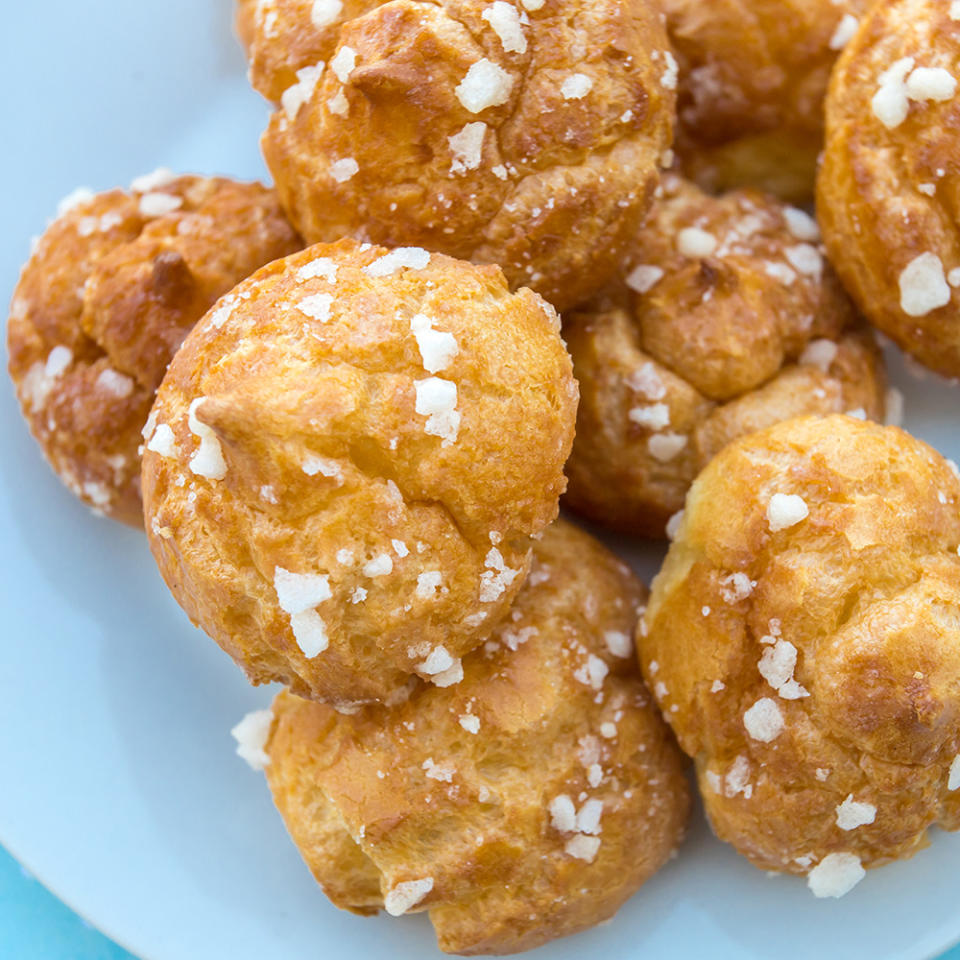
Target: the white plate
pixel 120 789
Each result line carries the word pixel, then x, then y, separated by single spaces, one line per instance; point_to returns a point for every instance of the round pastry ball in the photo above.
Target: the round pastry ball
pixel 526 803
pixel 889 187
pixel 518 133
pixel 753 76
pixel 347 460
pixel 733 320
pixel 803 639
pixel 108 294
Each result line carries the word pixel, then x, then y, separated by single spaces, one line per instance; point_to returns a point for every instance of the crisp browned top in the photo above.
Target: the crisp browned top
pixel 803 640
pixel 394 421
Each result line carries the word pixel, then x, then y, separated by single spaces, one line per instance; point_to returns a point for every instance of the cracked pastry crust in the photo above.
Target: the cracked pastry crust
pixel 732 320
pixel 803 639
pixel 888 192
pixel 524 804
pixel 753 76
pixel 347 460
pixel 110 291
pixel 492 132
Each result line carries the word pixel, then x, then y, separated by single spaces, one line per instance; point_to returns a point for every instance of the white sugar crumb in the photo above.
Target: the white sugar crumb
pixel 159 204
pixel 223 312
pixel 801 225
pixel 438 661
pixel 846 29
pixel 805 258
pixel 485 85
pixel 251 734
pixel 470 723
pixel 653 417
pixel 931 83
pixel 582 847
pixel 208 461
pixel 294 97
pixel 852 814
pixel 118 384
pixel 786 510
pixel 312 465
pixel 437 401
pixel 404 896
pixel 163 442
pixel 316 307
pixel 297 592
pixel 359 595
pixel 953 277
pixel 592 673
pixel 437 348
pixel 505 21
pixel 736 587
pixel 764 721
pixel 618 643
pixel 695 243
pixel 576 86
pixel 412 258
pixel 647 381
pixel 890 104
pixel 99 494
pixel 608 730
pixel 953 783
pixel 268 494
pixel 644 278
pixel 737 779
pixel 780 271
pixel 835 875
pixel 400 548
pixel 669 78
pixel 77 198
pixel 344 556
pixel 563 814
pixel 496 578
pixel 449 677
pixel 673 525
pixel 819 353
pixel 923 287
pixel 149 182
pixel 588 818
pixel 666 446
pixel 344 170
pixel 321 267
pixel 344 63
pixel 717 686
pixel 776 666
pixel 428 583
pixel 532 5
pixel 325 12
pixel 310 632
pixel 858 413
pixel 467 147
pixel 379 566
pixel 338 104
pixel 442 772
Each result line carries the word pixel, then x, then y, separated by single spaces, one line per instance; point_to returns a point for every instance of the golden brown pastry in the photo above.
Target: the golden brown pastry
pixel 110 291
pixel 889 188
pixel 524 804
pixel 735 321
pixel 517 132
pixel 753 75
pixel 347 460
pixel 803 640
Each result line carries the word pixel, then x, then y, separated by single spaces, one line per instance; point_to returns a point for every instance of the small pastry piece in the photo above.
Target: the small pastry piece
pixel 524 804
pixel 347 460
pixel 803 639
pixel 734 322
pixel 526 135
pixel 110 291
pixel 753 76
pixel 889 187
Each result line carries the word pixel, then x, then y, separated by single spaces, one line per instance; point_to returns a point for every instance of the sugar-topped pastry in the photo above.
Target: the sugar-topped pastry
pixel 523 804
pixel 730 319
pixel 752 79
pixel 523 134
pixel 347 460
pixel 110 291
pixel 803 641
pixel 888 189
